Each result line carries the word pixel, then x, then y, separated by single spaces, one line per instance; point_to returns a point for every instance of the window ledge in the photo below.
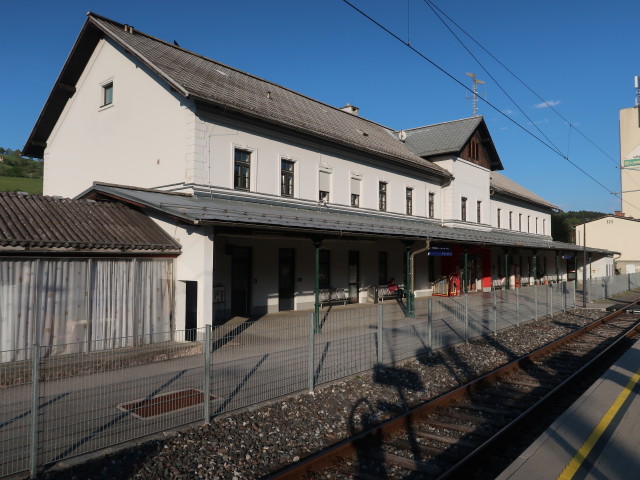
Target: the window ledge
pixel 106 107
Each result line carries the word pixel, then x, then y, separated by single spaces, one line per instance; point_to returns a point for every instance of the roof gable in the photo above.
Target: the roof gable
pixel 451 138
pixel 213 83
pixel 41 223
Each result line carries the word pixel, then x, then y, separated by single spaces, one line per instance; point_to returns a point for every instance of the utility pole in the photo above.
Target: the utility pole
pixel 584 264
pixel 476 82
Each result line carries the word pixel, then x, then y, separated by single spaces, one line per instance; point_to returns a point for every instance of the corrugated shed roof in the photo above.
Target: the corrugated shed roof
pixel 217 84
pixel 502 184
pixel 37 222
pixel 224 209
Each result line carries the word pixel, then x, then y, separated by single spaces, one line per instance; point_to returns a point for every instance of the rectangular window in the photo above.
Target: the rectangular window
pixel 409 195
pixel 536 224
pixel 431 205
pixel 520 222
pixel 382 196
pixel 242 169
pixel 286 178
pixel 498 217
pixel 325 186
pixel 544 226
pixel 324 276
pixel 355 192
pixel 463 209
pixel 528 223
pixel 382 268
pixel 510 220
pixel 479 212
pixel 107 94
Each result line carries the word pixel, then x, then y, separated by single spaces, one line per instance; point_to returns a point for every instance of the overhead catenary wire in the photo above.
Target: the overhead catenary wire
pixel 434 7
pixel 490 104
pixel 549 105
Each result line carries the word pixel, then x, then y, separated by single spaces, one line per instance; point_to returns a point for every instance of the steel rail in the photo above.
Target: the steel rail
pixel 350 446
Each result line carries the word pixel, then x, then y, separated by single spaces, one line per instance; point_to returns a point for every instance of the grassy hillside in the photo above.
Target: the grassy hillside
pixel 20 184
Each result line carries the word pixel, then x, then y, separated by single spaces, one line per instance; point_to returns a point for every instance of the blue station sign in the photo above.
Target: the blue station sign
pixel 440 251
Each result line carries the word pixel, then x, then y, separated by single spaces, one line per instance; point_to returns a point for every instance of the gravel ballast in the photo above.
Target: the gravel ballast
pixel 255 442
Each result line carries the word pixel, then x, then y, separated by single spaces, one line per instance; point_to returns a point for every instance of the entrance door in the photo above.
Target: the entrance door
pixel 241 281
pixel 191 310
pixel 286 278
pixel 354 276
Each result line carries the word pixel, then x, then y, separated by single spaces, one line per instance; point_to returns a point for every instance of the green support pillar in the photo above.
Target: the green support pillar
pixel 557 267
pixel 407 284
pixel 316 314
pixel 506 269
pixel 535 267
pixel 465 271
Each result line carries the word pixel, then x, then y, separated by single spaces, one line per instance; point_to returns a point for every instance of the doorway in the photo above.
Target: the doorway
pixel 354 276
pixel 241 282
pixel 286 278
pixel 191 310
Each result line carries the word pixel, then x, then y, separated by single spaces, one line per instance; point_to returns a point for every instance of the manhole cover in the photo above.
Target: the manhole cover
pixel 165 403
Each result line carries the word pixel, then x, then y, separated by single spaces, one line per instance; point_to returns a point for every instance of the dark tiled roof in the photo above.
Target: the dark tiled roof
pixel 451 138
pixel 40 223
pixel 501 184
pixel 216 84
pixel 441 138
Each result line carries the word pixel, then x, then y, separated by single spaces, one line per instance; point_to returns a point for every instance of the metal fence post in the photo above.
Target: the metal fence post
pixel 466 318
pixel 551 298
pixel 518 307
pixel 564 296
pixel 312 331
pixel 495 312
pixel 380 340
pixel 35 402
pixel 575 287
pixel 535 295
pixel 206 348
pixel 430 321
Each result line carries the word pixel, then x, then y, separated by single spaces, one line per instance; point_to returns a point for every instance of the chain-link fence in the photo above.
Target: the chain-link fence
pixel 58 406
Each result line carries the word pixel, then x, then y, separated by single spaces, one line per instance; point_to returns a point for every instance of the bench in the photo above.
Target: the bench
pixel 380 293
pixel 333 296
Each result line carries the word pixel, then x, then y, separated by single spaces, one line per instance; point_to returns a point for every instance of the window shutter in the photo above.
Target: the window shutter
pixel 355 186
pixel 325 181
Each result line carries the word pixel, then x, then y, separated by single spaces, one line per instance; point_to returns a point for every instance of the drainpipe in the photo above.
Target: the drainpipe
pixel 427 243
pixel 557 267
pixel 535 267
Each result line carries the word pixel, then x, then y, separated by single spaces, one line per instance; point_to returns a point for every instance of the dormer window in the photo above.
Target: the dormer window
pixel 107 94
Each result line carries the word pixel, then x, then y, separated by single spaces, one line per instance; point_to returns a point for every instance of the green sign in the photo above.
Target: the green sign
pixel 632 162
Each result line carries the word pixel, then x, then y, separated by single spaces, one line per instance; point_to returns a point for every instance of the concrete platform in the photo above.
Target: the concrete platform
pixel 597 438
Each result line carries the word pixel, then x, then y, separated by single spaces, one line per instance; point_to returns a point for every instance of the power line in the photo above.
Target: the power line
pixel 441 69
pixel 431 4
pixel 424 57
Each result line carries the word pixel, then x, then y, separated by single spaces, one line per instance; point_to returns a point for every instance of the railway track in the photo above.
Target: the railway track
pixel 453 435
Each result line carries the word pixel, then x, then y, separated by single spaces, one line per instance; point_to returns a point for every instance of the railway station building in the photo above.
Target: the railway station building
pixel 278 201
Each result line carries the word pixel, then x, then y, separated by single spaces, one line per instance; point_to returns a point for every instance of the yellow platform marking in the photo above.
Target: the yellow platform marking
pixel 575 463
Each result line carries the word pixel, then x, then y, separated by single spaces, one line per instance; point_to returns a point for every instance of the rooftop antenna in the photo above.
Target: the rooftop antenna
pixel 636 81
pixel 475 92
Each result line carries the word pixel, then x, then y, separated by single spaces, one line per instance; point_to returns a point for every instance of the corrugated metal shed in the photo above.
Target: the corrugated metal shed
pixel 41 223
pixel 227 209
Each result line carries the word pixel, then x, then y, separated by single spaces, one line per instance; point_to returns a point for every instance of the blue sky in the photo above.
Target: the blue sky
pixel 580 57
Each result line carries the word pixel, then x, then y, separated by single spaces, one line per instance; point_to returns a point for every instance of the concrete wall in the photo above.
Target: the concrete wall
pixel 630 157
pixel 618 234
pixel 140 139
pixel 530 215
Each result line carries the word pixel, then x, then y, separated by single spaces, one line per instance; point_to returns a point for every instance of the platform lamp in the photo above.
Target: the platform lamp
pixel 584 264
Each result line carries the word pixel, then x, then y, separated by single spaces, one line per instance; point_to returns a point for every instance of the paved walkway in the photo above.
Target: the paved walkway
pixel 597 438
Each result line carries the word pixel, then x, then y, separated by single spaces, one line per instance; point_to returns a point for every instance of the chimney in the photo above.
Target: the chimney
pixel 618 213
pixel 352 109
